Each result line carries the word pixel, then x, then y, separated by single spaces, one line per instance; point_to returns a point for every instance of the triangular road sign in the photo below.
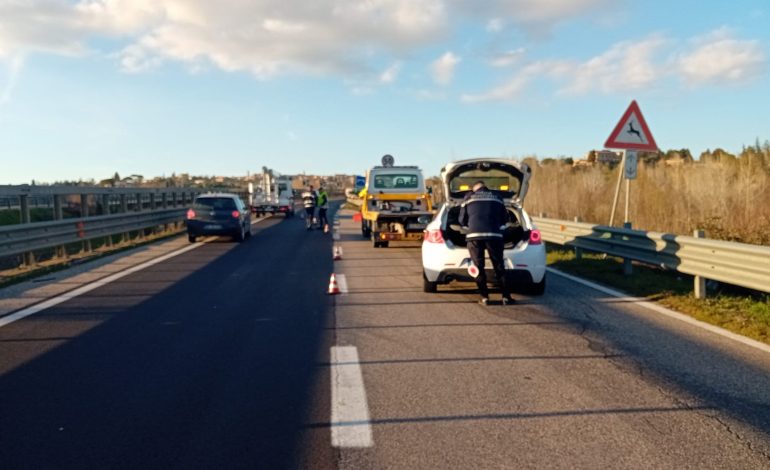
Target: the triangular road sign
pixel 632 132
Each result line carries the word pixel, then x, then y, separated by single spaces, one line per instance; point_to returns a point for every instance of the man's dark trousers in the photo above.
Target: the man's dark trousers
pixel 495 249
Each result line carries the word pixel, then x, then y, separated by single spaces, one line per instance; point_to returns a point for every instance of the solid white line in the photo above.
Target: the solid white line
pixel 350 425
pixel 342 283
pixel 54 301
pixel 666 311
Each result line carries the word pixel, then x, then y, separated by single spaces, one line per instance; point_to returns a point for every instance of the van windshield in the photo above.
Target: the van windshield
pixel 396 180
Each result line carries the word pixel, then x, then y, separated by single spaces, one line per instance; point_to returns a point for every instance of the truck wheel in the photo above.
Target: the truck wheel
pixel 191 238
pixel 365 230
pixel 375 242
pixel 427 286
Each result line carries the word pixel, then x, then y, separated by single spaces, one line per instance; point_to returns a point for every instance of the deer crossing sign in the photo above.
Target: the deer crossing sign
pixel 632 132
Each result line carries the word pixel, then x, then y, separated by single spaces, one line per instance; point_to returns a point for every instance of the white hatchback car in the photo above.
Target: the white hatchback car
pixel 445 257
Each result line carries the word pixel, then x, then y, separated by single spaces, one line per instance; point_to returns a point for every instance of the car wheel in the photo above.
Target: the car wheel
pixel 375 242
pixel 240 236
pixel 192 238
pixel 536 288
pixel 428 286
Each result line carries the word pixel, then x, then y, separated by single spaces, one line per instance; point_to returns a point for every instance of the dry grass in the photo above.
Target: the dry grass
pixel 729 200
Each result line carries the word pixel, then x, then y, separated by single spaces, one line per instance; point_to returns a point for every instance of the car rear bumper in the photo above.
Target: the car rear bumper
pixel 444 264
pixel 200 227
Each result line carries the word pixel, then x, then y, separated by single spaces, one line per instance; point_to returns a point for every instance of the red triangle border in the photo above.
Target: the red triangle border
pixel 612 143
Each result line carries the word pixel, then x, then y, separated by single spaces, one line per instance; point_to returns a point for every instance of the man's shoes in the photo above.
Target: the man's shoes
pixel 483 301
pixel 508 301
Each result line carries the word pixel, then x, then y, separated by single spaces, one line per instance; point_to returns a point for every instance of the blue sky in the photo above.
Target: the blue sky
pixel 153 87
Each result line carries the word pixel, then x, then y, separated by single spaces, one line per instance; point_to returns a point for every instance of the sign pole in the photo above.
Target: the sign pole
pixel 628 193
pixel 621 169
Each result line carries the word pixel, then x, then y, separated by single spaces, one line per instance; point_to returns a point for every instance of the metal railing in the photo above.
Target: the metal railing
pixel 739 264
pixel 85 213
pixel 23 238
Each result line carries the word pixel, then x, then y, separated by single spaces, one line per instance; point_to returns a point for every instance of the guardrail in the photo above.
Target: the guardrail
pixel 24 238
pixel 740 264
pixel 92 213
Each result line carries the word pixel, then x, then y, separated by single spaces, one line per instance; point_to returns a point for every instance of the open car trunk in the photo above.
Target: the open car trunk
pixel 512 236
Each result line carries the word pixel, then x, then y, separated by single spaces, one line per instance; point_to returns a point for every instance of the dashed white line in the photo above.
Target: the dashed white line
pixel 342 283
pixel 350 424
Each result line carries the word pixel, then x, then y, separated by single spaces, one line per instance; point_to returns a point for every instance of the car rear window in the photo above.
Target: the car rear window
pixel 408 181
pixel 214 203
pixel 495 179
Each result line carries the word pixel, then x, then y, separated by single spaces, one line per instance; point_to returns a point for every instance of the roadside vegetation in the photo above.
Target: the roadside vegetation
pixel 738 310
pixel 727 196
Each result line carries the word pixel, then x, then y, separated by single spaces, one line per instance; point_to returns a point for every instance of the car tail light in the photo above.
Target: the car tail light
pixel 190 214
pixel 535 238
pixel 236 214
pixel 434 236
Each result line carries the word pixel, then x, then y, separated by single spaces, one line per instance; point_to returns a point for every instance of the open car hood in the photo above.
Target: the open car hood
pixel 509 179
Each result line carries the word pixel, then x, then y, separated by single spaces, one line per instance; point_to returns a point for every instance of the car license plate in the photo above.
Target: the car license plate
pixel 212 227
pixel 416 226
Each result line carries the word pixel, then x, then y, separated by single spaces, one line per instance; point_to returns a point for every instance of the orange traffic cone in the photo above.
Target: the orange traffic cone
pixel 333 287
pixel 337 253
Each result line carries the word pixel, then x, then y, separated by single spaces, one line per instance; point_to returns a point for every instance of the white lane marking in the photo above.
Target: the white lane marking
pixel 350 425
pixel 342 283
pixel 335 236
pixel 666 311
pixel 54 301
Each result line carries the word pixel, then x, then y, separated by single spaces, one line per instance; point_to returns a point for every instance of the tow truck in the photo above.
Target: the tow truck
pixel 395 204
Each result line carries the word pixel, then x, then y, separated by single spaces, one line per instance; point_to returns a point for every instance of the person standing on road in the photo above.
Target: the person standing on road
pixel 309 201
pixel 483 216
pixel 323 206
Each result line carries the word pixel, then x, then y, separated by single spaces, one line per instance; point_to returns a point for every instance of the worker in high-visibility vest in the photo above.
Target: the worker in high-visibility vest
pixel 323 206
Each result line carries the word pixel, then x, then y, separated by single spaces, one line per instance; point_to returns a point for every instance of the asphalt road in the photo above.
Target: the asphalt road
pixel 233 356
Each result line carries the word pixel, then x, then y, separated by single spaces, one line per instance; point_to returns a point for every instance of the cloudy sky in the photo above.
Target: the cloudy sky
pixel 153 87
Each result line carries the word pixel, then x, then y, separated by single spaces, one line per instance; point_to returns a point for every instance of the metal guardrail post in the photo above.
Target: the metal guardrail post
pixel 578 250
pixel 106 211
pixel 699 288
pixel 628 268
pixel 139 208
pixel 58 214
pixel 84 214
pixel 28 259
pixel 124 209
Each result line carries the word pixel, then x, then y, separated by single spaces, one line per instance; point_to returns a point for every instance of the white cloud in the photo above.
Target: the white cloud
pixel 443 68
pixel 265 38
pixel 718 58
pixel 495 25
pixel 508 58
pixel 535 15
pixel 628 65
pixel 390 74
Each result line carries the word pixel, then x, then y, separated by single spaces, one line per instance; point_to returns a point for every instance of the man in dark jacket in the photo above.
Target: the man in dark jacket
pixel 483 216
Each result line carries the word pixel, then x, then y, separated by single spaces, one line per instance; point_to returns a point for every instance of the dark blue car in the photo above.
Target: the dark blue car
pixel 218 214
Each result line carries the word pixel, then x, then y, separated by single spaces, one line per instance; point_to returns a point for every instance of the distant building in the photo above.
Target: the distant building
pixel 607 157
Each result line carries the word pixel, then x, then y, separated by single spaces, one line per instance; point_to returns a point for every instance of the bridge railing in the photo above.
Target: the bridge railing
pixel 91 213
pixel 739 264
